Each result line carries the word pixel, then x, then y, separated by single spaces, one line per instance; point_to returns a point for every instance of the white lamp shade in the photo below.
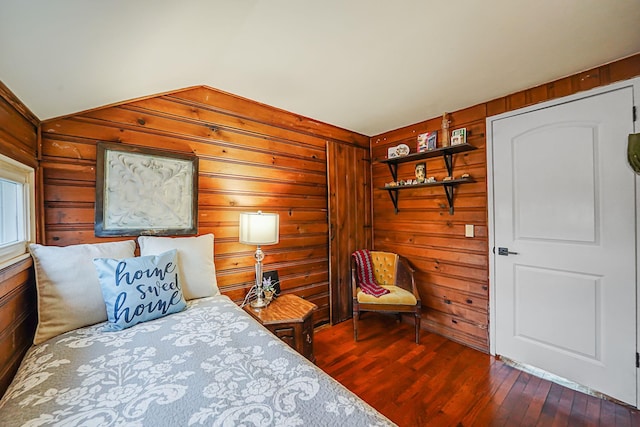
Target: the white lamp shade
pixel 257 228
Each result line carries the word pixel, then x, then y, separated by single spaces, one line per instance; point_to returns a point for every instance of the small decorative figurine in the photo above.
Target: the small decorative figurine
pixel 421 172
pixel 445 129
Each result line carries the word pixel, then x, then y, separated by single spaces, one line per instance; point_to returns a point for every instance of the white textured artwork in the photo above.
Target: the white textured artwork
pixel 147 192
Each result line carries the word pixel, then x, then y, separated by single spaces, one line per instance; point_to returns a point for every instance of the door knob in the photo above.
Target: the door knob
pixel 506 252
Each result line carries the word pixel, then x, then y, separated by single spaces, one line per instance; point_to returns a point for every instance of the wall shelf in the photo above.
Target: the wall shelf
pixel 447 155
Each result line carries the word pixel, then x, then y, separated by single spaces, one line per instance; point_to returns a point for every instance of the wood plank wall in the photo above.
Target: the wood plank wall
pixel 251 156
pixel 452 271
pixel 18 140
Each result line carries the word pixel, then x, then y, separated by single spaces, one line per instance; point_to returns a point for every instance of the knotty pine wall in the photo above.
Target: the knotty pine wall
pixel 251 156
pixel 452 271
pixel 18 140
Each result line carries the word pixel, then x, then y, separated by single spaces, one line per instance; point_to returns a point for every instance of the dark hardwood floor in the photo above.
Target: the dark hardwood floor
pixel 442 383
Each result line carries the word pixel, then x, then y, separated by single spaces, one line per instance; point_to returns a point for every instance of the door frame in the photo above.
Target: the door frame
pixel 635 85
pixel 358 224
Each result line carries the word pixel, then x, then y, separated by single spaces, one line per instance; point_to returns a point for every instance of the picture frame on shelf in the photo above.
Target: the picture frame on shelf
pixel 432 140
pixel 398 151
pixel 402 150
pixel 422 142
pixel 421 172
pixel 427 141
pixel 459 136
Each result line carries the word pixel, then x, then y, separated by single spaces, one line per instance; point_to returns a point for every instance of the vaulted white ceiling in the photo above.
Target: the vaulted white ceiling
pixel 365 65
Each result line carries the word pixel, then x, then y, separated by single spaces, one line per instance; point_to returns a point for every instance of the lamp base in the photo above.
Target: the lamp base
pixel 259 303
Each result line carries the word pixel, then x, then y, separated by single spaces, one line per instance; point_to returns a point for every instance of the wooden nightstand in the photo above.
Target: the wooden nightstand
pixel 290 318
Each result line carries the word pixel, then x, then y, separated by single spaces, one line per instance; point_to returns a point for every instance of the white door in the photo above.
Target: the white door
pixel 564 200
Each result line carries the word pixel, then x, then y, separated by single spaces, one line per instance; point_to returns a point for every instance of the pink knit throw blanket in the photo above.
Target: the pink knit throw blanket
pixel 364 270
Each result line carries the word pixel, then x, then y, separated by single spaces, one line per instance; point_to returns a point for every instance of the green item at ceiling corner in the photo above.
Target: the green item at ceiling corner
pixel 633 152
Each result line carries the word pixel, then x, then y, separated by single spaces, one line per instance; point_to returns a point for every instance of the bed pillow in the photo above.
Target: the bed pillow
pixel 69 295
pixel 195 256
pixel 140 289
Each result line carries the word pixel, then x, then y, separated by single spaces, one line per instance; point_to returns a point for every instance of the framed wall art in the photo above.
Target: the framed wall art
pixel 143 191
pixel 271 282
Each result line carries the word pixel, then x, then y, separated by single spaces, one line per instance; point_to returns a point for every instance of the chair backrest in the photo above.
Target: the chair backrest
pixel 385 267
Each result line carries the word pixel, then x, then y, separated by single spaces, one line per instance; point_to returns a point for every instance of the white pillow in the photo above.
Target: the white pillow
pixel 69 294
pixel 195 260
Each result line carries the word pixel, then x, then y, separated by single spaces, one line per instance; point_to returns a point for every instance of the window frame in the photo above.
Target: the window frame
pixel 14 171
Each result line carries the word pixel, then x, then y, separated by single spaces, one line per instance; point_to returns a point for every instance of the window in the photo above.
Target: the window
pixel 17 219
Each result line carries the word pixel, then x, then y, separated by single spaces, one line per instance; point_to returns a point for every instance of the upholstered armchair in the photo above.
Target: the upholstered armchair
pixel 393 273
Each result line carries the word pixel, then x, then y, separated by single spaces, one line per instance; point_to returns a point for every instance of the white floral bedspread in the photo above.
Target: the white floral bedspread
pixel 208 365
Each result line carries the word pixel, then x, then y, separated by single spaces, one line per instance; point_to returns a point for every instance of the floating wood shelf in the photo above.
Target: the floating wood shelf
pixel 447 155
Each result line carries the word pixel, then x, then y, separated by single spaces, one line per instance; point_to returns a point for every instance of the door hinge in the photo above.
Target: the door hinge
pixel 637 360
pixel 635 113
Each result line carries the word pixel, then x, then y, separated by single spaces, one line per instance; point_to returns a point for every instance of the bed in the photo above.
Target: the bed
pixel 149 340
pixel 211 364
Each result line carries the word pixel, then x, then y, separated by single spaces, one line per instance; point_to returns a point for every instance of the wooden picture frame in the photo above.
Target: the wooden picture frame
pixel 272 278
pixel 420 172
pixel 144 191
pixel 459 136
pixel 427 141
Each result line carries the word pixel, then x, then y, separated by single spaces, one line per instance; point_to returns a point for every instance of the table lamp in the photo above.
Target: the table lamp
pixel 258 228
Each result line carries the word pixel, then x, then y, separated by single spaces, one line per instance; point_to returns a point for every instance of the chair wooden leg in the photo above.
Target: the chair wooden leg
pixel 356 315
pixel 418 317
